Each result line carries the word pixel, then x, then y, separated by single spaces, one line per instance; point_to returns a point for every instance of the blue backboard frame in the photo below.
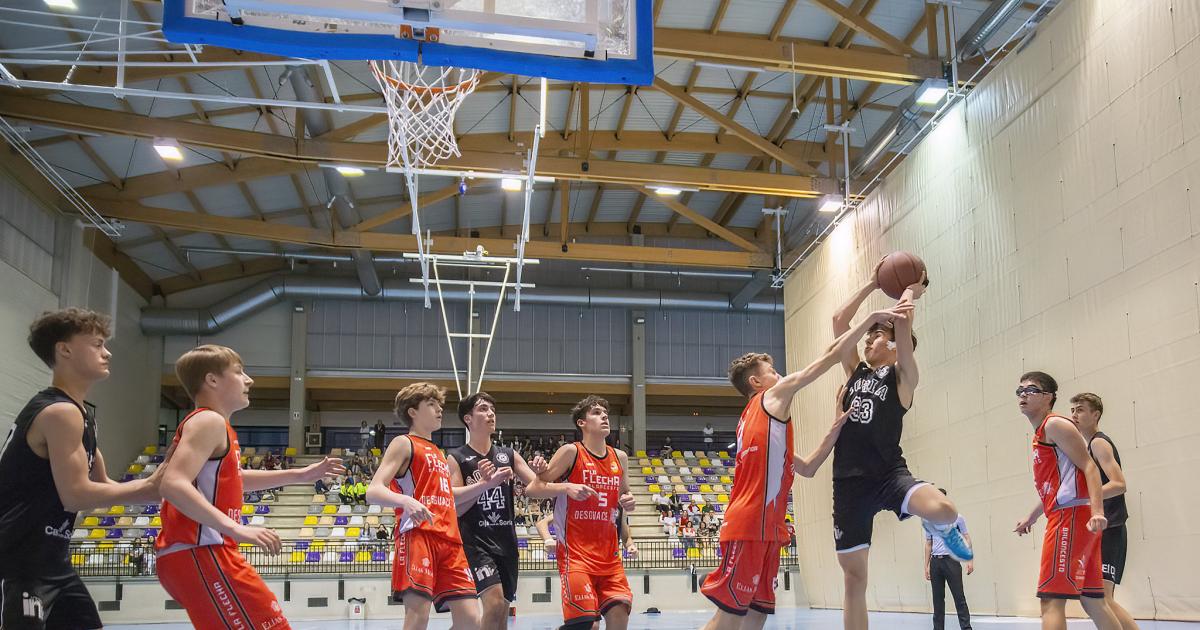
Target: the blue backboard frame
pixel 181 29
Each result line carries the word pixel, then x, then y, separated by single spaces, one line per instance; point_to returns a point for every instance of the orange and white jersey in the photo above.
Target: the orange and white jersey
pixel 587 530
pixel 220 481
pixel 428 481
pixel 1060 484
pixel 758 502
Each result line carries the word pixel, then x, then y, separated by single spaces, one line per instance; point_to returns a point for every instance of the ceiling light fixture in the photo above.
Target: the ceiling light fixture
pixel 168 149
pixel 932 91
pixel 830 204
pixel 511 184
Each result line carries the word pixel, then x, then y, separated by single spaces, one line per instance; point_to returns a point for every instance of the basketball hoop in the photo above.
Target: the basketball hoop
pixel 421 102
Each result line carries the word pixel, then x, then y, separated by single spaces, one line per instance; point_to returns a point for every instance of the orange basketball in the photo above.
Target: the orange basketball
pixel 898 271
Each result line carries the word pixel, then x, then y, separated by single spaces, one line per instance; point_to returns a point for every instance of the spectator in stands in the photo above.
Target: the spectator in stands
pixel 693 514
pixel 670 525
pixel 676 504
pixel 270 462
pixel 320 487
pixel 667 445
pixel 360 492
pixel 710 525
pixel 364 534
pixel 346 492
pixel 138 556
pixel 364 436
pixel 379 433
pixel 661 503
pixel 382 533
pixel 688 534
pixel 708 436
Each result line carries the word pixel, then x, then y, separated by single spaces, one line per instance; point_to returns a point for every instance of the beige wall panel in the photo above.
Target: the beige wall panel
pixel 1054 209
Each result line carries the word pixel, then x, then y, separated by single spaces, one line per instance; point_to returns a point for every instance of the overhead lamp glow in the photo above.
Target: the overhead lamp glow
pixel 349 171
pixel 667 191
pixel 61 4
pixel 168 149
pixel 511 184
pixel 727 66
pixel 830 204
pixel 932 91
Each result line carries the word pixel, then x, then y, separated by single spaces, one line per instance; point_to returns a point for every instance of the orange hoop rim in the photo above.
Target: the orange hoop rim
pixel 467 85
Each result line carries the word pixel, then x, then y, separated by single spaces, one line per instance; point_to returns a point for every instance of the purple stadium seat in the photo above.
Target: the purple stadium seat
pixel 522 544
pixel 693 488
pixel 652 479
pixel 379 556
pixel 710 471
pixel 113 533
pixel 346 556
pixel 245 520
pixel 128 477
pixel 341 521
pixel 685 498
pixel 151 533
pixel 150 509
pixel 313 556
pixel 300 545
pixel 678 553
pixel 156 459
pixel 551 553
pixel 262 509
pixel 108 521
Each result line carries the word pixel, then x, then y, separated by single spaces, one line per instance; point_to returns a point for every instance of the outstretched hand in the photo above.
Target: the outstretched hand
pixel 327 467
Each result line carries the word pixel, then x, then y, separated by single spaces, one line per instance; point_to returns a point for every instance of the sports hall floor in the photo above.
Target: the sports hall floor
pixel 785 620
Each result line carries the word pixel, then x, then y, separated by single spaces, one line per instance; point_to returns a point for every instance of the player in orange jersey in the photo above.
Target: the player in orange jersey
pixel 743 588
pixel 199 564
pixel 588 549
pixel 413 477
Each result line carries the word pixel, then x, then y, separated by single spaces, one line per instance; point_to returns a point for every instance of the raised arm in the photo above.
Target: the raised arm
pixel 906 361
pixel 547 484
pixel 808 466
pixel 262 479
pixel 1068 439
pixel 526 474
pixel 841 318
pixel 204 437
pixel 1103 453
pixel 779 398
pixel 61 427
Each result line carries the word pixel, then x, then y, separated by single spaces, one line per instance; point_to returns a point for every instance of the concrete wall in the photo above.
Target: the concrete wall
pixel 1056 209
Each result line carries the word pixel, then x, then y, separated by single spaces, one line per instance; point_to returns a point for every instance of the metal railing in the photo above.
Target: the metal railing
pixel 130 558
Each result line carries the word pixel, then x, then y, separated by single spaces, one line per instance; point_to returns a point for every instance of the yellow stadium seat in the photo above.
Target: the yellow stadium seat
pixel 676 454
pixel 245 460
pixel 693 552
pixel 97 533
pixel 655 488
pixel 705 488
pixel 362 556
pixel 723 498
pixel 105 546
pixel 353 532
pixel 726 479
pixel 656 462
pixel 640 454
pixel 150 450
pixel 289 451
pixel 116 510
pixel 310 520
pixel 77 559
pixel 135 469
pixel 247 510
pixel 156 521
pixel 376 452
pixel 318 545
pixel 723 454
pixel 646 470
pixel 329 509
pixel 297 557
pixel 704 463
pixel 91 521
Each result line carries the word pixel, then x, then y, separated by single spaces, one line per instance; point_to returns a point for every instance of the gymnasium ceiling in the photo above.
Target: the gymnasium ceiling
pixel 250 182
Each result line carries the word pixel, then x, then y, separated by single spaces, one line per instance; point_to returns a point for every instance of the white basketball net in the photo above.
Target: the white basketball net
pixel 421 102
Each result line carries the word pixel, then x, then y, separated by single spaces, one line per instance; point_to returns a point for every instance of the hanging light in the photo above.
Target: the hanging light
pixel 932 91
pixel 511 184
pixel 168 149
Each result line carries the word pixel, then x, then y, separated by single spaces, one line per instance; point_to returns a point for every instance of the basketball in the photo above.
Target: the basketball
pixel 898 271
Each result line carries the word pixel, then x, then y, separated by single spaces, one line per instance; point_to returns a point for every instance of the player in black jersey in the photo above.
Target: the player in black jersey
pixel 869 471
pixel 50 468
pixel 1086 409
pixel 482 474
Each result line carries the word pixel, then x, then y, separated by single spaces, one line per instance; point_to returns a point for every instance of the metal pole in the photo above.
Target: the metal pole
pixel 121 47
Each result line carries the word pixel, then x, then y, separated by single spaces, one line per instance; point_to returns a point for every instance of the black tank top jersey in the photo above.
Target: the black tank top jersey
pixel 35 529
pixel 1114 508
pixel 488 524
pixel 869 444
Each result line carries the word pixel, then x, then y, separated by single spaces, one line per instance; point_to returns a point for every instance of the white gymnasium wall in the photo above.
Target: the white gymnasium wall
pixel 1054 209
pixel 127 403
